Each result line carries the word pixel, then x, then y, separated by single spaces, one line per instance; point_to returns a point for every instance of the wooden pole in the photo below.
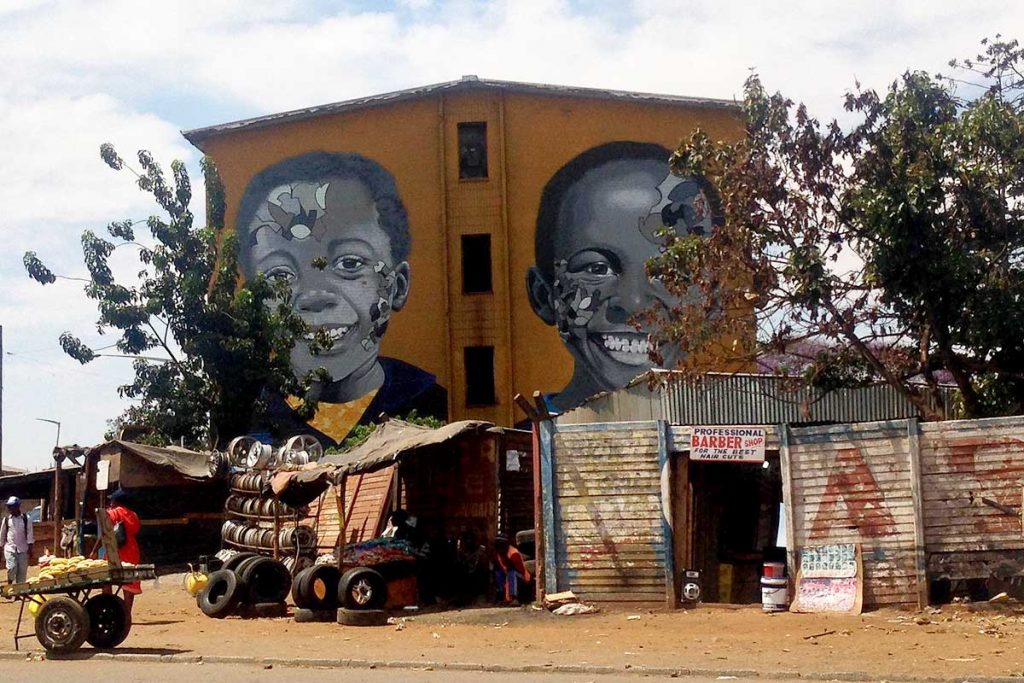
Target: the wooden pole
pixel 56 508
pixel 920 555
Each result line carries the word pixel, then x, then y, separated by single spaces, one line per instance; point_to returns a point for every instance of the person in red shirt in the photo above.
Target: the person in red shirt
pixel 129 551
pixel 509 569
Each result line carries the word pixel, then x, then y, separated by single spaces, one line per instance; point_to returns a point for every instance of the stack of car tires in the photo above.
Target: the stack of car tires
pixel 355 598
pixel 245 580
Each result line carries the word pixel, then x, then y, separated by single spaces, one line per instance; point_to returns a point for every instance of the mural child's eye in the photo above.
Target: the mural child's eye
pixel 599 268
pixel 350 264
pixel 280 274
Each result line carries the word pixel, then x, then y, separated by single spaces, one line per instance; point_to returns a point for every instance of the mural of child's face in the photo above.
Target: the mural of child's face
pixel 300 227
pixel 606 234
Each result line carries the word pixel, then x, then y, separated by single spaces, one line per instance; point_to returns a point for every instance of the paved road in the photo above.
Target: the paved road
pixel 105 671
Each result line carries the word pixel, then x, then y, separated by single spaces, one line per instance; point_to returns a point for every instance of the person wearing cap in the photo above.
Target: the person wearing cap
pixel 16 538
pixel 118 512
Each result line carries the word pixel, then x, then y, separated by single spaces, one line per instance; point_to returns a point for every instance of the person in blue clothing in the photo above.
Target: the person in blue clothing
pixel 334 228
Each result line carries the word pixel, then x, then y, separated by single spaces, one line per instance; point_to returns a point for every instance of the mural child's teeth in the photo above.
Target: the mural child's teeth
pixel 625 344
pixel 335 333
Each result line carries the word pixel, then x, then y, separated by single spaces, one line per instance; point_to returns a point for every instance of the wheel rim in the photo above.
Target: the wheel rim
pixel 320 589
pixel 362 592
pixel 60 626
pixel 106 621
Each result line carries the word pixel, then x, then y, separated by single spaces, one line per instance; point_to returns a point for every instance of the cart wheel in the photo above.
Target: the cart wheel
pixel 109 622
pixel 62 624
pixel 362 588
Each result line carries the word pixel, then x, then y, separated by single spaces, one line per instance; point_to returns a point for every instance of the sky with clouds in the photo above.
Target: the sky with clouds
pixel 77 73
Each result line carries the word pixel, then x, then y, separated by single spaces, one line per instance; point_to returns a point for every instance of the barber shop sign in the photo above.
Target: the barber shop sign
pixel 727 444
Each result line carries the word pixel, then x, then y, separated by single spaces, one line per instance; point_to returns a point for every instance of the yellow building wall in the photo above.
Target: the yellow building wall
pixel 529 138
pixel 404 138
pixel 544 133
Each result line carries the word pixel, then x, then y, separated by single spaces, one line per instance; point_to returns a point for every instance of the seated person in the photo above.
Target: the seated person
pixel 510 571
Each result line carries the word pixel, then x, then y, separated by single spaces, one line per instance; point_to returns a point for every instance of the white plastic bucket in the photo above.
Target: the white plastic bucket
pixel 774 594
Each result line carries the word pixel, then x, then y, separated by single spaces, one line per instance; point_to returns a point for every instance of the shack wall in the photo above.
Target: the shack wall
pixel 968 469
pixel 852 484
pixel 604 512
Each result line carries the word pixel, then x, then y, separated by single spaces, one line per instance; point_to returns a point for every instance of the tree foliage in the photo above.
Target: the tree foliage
pixel 204 344
pixel 887 251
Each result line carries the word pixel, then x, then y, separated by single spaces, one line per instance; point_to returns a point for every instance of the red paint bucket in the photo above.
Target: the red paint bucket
pixel 774 570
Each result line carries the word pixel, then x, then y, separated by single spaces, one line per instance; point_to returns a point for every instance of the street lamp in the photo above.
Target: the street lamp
pixel 55 422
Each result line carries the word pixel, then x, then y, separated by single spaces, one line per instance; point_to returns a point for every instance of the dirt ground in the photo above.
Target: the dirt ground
pixel 956 640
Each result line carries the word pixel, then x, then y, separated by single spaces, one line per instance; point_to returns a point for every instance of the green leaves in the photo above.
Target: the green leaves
pixel 36 270
pixel 888 252
pixel 206 345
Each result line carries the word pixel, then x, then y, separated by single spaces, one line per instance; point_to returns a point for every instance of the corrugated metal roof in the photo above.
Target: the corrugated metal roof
pixel 741 399
pixel 198 135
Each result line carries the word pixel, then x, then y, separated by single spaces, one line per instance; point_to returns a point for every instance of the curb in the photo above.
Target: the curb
pixel 319 663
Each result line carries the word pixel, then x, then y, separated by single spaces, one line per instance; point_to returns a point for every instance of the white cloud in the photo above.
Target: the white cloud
pixel 76 73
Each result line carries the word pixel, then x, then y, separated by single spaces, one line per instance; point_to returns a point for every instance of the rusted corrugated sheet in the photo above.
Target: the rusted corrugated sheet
pixel 609 537
pixel 973 480
pixel 740 399
pixel 852 484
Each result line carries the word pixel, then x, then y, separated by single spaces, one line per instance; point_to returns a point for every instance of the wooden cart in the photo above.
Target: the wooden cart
pixel 86 606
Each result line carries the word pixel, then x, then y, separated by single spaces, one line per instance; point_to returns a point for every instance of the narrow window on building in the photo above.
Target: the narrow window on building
pixel 473 150
pixel 476 264
pixel 480 376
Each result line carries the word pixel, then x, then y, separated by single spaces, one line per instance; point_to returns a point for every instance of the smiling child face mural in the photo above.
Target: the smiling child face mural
pixel 596 229
pixel 333 227
pixel 342 211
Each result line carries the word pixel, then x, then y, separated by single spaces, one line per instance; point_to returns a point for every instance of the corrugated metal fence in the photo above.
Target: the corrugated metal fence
pixel 741 399
pixel 603 511
pixel 929 501
pixel 925 501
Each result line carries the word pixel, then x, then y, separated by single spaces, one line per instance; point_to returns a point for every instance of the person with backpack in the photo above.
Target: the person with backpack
pixel 127 543
pixel 16 538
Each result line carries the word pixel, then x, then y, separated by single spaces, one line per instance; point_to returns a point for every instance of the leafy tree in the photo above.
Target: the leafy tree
pixel 362 432
pixel 891 251
pixel 219 342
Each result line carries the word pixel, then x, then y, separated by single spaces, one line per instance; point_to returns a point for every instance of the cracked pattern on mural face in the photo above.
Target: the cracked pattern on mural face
pixel 347 303
pixel 609 227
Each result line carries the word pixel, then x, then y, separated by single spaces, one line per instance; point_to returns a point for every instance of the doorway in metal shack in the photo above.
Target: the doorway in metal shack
pixel 726 521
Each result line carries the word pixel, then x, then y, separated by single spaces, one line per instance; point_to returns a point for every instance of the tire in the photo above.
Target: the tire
pixel 321 590
pixel 62 624
pixel 232 563
pixel 299 589
pixel 242 566
pixel 220 596
pixel 109 621
pixel 307 616
pixel 362 617
pixel 362 588
pixel 265 580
